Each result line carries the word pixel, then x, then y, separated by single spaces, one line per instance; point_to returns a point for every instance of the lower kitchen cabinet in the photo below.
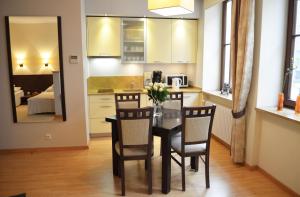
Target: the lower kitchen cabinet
pixel 100 106
pixel 192 99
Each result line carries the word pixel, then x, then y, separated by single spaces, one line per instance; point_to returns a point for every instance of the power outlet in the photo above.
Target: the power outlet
pixel 48 136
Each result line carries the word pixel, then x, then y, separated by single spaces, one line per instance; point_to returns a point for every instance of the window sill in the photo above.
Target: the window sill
pixel 286 113
pixel 217 97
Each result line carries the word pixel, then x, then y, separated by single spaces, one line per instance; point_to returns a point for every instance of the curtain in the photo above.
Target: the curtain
pixel 242 45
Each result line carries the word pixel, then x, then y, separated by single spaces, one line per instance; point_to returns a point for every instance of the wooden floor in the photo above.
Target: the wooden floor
pixel 88 173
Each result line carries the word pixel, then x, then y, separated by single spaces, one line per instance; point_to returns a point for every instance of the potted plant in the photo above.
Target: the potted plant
pixel 158 93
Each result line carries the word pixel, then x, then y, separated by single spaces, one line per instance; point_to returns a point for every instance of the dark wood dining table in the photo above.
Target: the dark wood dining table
pixel 164 126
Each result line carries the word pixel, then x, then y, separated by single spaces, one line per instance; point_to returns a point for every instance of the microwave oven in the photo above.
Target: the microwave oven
pixel 183 77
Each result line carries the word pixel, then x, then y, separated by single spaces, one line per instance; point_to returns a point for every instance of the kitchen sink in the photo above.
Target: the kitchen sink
pixel 105 90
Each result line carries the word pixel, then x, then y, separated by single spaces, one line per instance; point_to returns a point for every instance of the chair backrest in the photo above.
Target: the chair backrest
pixel 127 100
pixel 197 125
pixel 135 128
pixel 174 101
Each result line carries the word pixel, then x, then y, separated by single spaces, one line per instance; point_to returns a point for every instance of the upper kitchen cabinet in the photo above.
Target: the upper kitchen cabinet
pixel 103 36
pixel 159 41
pixel 184 41
pixel 133 40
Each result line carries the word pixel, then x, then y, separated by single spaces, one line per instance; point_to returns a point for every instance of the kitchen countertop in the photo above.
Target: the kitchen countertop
pixel 144 91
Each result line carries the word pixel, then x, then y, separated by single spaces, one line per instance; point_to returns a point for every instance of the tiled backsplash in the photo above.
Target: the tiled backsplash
pixel 115 82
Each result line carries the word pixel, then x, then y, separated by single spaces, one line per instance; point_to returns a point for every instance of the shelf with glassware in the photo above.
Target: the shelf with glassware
pixel 133 40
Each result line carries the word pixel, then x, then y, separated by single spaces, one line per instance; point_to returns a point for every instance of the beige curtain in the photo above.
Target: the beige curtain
pixel 242 45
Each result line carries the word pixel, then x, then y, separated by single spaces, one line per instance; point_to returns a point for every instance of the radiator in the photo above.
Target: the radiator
pixel 222 122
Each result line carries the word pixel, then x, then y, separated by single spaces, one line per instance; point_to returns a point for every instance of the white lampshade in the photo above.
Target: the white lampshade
pixel 171 7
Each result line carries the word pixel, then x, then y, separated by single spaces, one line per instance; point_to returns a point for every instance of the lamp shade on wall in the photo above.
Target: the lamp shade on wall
pixel 171 7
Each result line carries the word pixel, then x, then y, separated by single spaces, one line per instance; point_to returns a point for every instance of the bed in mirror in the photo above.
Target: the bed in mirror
pixel 36 68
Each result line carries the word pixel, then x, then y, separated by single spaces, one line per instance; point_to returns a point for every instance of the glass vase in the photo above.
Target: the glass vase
pixel 157 109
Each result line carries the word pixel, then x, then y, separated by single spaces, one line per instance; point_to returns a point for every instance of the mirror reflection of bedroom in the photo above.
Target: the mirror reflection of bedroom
pixel 35 72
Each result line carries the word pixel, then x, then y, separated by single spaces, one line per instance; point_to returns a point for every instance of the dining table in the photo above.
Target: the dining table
pixel 165 126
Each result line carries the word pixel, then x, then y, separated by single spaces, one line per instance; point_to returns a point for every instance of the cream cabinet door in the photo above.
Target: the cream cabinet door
pixel 103 36
pixel 191 99
pixel 159 41
pixel 184 41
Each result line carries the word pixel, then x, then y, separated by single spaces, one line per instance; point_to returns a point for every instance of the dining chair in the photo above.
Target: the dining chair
pixel 135 140
pixel 174 101
pixel 127 100
pixel 195 139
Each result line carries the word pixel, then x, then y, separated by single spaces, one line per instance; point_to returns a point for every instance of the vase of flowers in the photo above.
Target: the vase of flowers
pixel 157 92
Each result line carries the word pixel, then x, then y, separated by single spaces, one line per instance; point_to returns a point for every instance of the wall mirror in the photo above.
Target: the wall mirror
pixel 34 49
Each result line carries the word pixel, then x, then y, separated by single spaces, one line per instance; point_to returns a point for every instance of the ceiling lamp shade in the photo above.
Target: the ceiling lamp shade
pixel 171 7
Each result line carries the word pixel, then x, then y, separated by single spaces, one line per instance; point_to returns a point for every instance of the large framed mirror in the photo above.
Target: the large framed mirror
pixel 34 48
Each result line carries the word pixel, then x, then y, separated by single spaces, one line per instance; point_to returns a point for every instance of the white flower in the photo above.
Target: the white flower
pixel 160 89
pixel 150 84
pixel 147 88
pixel 155 87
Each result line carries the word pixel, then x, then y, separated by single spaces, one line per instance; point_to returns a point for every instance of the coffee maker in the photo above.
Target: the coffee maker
pixel 156 76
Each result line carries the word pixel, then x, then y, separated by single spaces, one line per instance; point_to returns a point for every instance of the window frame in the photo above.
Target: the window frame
pixel 224 44
pixel 290 44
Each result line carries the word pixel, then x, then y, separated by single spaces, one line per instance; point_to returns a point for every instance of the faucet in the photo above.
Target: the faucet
pixel 132 85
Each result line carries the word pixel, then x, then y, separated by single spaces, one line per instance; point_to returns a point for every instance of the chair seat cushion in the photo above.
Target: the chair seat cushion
pixel 131 151
pixel 194 148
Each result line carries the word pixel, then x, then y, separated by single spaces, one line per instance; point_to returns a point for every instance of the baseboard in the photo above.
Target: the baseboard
pixel 43 149
pixel 221 141
pixel 95 135
pixel 273 179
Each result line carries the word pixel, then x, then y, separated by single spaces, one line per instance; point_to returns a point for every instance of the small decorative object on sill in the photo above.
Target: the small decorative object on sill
pixel 280 101
pixel 297 107
pixel 225 89
pixel 158 93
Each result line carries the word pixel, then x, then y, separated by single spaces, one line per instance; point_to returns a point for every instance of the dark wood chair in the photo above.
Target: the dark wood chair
pixel 135 139
pixel 127 100
pixel 195 139
pixel 174 101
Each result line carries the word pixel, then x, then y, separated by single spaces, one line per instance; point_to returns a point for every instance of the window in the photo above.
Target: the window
pixel 292 61
pixel 225 48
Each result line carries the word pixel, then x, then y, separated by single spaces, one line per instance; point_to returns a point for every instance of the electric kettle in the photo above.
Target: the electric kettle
pixel 176 83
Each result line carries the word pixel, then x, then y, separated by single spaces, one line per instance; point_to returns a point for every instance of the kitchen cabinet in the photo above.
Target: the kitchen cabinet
pixel 159 41
pixel 133 40
pixel 101 106
pixel 192 99
pixel 184 41
pixel 103 36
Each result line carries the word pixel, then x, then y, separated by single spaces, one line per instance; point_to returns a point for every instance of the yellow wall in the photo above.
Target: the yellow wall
pixel 33 44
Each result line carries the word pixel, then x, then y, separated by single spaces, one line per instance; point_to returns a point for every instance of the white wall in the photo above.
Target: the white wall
pixel 272 142
pixel 212 48
pixel 128 8
pixel 114 67
pixel 29 135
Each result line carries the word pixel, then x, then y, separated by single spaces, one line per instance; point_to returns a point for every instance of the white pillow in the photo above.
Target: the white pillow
pixel 49 89
pixel 17 88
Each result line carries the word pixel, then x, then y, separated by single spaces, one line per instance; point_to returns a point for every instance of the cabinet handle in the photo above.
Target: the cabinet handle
pixel 105 99
pixel 106 106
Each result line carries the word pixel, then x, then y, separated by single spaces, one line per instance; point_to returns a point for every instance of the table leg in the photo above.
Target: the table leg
pixel 195 163
pixel 166 164
pixel 115 158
